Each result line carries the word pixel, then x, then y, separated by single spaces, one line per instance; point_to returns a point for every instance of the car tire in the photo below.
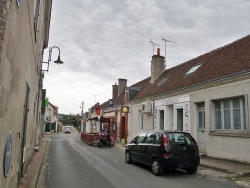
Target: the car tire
pixel 156 167
pixel 128 157
pixel 192 170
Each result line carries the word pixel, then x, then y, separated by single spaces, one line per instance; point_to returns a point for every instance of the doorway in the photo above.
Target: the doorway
pixel 161 113
pixel 180 119
pixel 23 132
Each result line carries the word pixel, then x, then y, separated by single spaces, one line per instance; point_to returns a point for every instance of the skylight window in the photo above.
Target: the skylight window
pixel 193 69
pixel 163 80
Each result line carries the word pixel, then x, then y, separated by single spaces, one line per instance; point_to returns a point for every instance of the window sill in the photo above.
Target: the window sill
pixel 230 134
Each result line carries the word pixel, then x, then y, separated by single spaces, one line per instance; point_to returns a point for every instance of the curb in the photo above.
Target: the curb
pixel 41 164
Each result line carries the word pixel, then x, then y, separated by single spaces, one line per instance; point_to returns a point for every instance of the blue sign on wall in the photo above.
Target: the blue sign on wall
pixel 7 154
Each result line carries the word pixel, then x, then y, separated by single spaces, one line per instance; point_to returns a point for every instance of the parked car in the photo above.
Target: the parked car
pixel 164 150
pixel 67 130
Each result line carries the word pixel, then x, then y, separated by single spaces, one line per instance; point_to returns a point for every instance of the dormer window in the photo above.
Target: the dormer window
pixel 163 80
pixel 193 69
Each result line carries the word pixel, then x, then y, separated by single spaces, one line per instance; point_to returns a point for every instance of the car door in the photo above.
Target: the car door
pixel 147 148
pixel 136 147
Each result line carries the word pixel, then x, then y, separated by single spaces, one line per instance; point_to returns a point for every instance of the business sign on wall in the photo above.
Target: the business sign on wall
pixel 186 116
pixel 155 118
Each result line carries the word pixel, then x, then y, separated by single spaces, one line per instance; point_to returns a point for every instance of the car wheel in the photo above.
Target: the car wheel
pixel 156 167
pixel 191 170
pixel 128 157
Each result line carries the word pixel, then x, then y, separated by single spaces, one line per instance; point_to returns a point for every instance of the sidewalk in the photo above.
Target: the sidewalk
pixel 30 179
pixel 31 176
pixel 232 169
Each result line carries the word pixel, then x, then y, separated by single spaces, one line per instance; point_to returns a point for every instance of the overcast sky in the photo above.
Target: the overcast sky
pixel 104 40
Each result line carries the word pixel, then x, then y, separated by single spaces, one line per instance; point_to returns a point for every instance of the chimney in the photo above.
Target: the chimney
pixel 122 84
pixel 114 90
pixel 157 66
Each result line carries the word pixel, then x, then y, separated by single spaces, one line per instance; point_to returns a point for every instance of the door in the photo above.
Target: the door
pixel 180 119
pixel 23 132
pixel 147 148
pixel 201 126
pixel 123 129
pixel 136 150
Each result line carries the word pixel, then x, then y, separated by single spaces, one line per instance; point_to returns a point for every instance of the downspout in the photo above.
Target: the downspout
pixel 153 112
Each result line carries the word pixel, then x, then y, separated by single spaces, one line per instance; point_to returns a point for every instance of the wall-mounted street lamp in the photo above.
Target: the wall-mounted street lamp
pixel 58 61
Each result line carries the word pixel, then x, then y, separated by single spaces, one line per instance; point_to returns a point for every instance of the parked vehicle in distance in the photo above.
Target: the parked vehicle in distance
pixel 164 150
pixel 67 130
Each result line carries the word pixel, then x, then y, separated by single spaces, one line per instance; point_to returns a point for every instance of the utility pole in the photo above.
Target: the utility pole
pixel 82 107
pixel 95 98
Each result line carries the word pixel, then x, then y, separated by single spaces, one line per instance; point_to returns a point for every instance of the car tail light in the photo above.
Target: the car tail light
pixel 164 154
pixel 165 140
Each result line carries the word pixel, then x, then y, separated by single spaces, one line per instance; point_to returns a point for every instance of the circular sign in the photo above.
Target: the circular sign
pixel 7 154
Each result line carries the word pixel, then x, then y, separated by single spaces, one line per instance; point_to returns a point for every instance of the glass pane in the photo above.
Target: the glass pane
pixel 236 118
pixel 218 119
pixel 150 138
pixel 201 106
pixel 227 119
pixel 236 103
pixel 140 138
pixel 226 104
pixel 157 139
pixel 217 105
pixel 201 119
pixel 244 118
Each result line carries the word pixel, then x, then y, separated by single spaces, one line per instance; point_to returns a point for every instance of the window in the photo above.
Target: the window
pixel 163 80
pixel 149 138
pixel 157 139
pixel 140 138
pixel 193 69
pixel 230 114
pixel 36 12
pixel 180 138
pixel 201 115
pixel 18 3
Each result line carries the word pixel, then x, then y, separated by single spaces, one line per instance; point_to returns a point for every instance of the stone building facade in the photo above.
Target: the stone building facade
pixel 24 31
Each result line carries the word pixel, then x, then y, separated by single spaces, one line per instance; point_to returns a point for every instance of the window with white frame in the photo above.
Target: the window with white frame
pixel 230 114
pixel 201 115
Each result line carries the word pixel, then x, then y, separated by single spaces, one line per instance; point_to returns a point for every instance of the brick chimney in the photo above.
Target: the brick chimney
pixel 122 84
pixel 157 66
pixel 114 90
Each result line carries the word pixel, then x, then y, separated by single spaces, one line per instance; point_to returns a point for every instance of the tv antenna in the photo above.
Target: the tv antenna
pixel 165 40
pixel 154 44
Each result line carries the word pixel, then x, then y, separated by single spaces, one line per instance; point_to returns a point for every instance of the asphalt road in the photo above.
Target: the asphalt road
pixel 75 164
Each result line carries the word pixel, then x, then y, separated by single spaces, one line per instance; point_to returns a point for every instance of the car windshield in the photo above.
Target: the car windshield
pixel 181 138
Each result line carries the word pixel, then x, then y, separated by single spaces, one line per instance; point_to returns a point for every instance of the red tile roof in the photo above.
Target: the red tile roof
pixel 228 60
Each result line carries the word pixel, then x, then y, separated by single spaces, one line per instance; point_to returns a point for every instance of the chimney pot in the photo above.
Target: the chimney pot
pixel 158 51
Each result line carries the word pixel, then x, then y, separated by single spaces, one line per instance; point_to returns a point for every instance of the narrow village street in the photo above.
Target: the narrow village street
pixel 71 163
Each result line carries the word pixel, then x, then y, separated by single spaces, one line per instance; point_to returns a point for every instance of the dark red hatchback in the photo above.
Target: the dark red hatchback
pixel 164 150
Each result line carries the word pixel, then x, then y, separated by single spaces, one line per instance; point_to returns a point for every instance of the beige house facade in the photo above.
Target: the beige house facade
pixel 23 38
pixel 207 96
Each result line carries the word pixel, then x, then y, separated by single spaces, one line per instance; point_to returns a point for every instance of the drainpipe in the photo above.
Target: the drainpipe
pixel 153 112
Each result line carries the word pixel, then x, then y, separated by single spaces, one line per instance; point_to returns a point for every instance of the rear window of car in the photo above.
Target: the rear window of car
pixel 181 138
